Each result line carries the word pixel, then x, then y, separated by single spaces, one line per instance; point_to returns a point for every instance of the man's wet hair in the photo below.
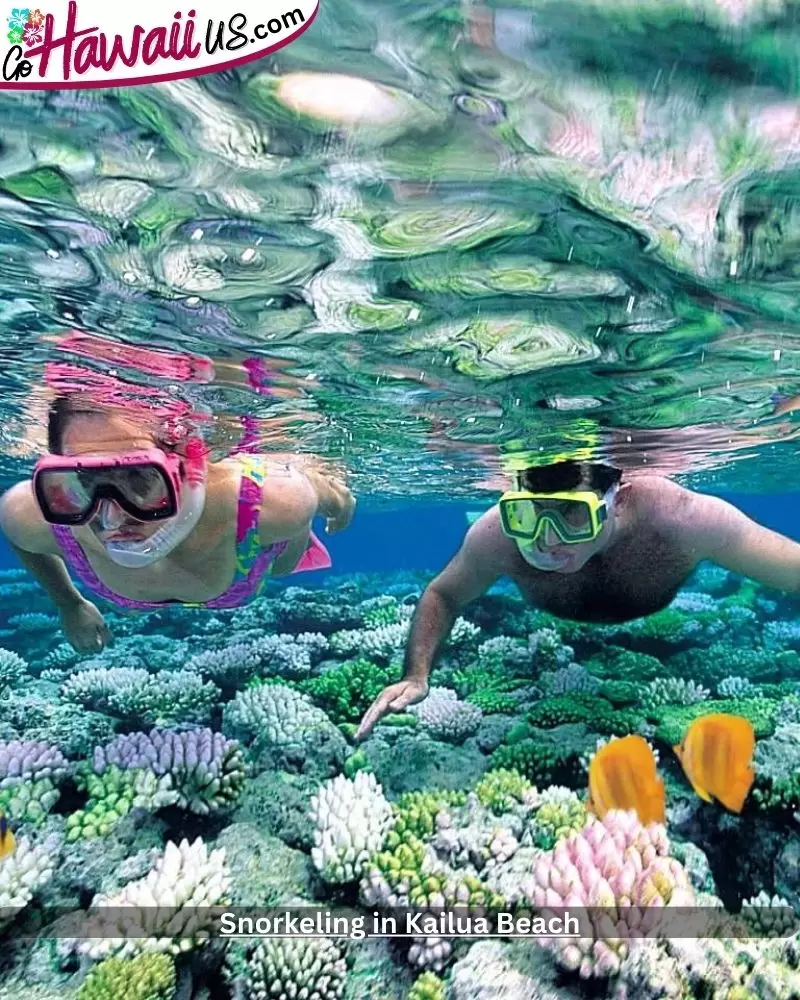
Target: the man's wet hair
pixel 570 475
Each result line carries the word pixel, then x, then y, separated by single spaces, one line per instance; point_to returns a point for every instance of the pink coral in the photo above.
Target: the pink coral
pixel 616 875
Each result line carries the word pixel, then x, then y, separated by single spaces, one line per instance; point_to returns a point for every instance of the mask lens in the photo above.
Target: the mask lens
pixel 520 518
pixel 64 494
pixel 143 486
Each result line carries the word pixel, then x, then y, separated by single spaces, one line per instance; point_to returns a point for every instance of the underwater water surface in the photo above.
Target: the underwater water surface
pixel 428 243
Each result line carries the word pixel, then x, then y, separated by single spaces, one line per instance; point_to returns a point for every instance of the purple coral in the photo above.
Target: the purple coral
pixel 617 873
pixel 207 770
pixel 23 760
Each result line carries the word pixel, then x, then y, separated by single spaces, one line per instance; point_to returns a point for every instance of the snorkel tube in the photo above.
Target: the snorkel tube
pixel 137 555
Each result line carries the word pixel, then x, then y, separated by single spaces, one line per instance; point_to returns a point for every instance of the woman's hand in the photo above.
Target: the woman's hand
pixel 84 627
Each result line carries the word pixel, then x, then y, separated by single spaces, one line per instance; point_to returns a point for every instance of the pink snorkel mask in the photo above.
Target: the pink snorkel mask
pixel 149 485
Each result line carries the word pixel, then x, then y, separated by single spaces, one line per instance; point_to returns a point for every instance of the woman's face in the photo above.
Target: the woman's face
pixel 110 434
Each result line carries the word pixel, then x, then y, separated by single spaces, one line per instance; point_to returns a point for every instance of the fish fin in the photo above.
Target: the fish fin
pixel 678 751
pixel 704 795
pixel 734 797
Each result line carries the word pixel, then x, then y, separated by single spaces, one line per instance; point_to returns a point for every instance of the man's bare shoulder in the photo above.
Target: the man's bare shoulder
pixel 664 504
pixel 22 523
pixel 485 539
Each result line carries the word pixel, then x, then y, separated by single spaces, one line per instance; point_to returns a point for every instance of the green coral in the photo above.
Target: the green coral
pixel 673 720
pixel 492 702
pixel 402 866
pixel 620 692
pixel 29 801
pixel 385 613
pixel 613 663
pixel 345 692
pixel 594 711
pixel 781 794
pixel 560 812
pixel 720 660
pixel 501 789
pixel 542 763
pixel 112 795
pixel 415 812
pixel 428 986
pixel 146 977
pixel 479 678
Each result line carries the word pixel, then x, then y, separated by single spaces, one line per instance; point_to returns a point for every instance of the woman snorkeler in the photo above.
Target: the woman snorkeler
pixel 142 518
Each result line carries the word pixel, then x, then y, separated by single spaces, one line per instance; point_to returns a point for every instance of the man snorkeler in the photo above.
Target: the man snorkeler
pixel 582 544
pixel 143 518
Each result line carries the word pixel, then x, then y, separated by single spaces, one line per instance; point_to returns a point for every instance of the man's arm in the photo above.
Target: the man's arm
pixel 716 530
pixel 470 573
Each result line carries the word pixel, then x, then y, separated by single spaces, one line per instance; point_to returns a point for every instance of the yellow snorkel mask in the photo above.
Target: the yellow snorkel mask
pixel 574 515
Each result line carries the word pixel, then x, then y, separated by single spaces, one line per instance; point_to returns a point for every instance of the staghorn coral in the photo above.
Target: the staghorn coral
pixel 287 969
pixel 146 977
pixel 351 819
pixel 446 718
pixel 166 911
pixel 615 864
pixel 736 687
pixel 206 770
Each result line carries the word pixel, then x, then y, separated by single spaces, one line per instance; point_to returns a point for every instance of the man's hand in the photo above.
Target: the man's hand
pixel 394 698
pixel 84 627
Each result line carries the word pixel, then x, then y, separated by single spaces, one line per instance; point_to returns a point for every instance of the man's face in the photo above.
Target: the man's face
pixel 550 555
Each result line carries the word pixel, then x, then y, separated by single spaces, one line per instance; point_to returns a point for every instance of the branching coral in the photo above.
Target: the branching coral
pixel 287 969
pixel 23 873
pixel 169 910
pixel 446 718
pixel 206 770
pixel 351 819
pixel 113 794
pixel 146 977
pixel 13 669
pixel 345 692
pixel 274 715
pixel 503 788
pixel 672 691
pixel 558 812
pixel 622 869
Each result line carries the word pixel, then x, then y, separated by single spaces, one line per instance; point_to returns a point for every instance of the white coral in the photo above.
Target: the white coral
pixel 169 910
pixel 274 713
pixel 24 871
pixel 444 717
pixel 288 969
pixel 351 818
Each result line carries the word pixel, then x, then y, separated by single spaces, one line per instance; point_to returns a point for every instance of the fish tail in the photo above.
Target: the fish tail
pixel 735 795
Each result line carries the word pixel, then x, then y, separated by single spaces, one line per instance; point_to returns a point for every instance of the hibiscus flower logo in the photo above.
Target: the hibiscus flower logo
pixel 32 34
pixel 25 25
pixel 18 19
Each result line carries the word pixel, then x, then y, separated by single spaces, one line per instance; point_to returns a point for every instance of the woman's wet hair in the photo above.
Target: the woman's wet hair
pixel 64 408
pixel 570 475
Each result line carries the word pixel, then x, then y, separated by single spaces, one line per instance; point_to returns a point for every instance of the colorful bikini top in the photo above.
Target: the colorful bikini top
pixel 253 560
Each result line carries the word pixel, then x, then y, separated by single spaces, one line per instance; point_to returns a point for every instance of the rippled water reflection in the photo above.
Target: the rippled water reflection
pixel 450 234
